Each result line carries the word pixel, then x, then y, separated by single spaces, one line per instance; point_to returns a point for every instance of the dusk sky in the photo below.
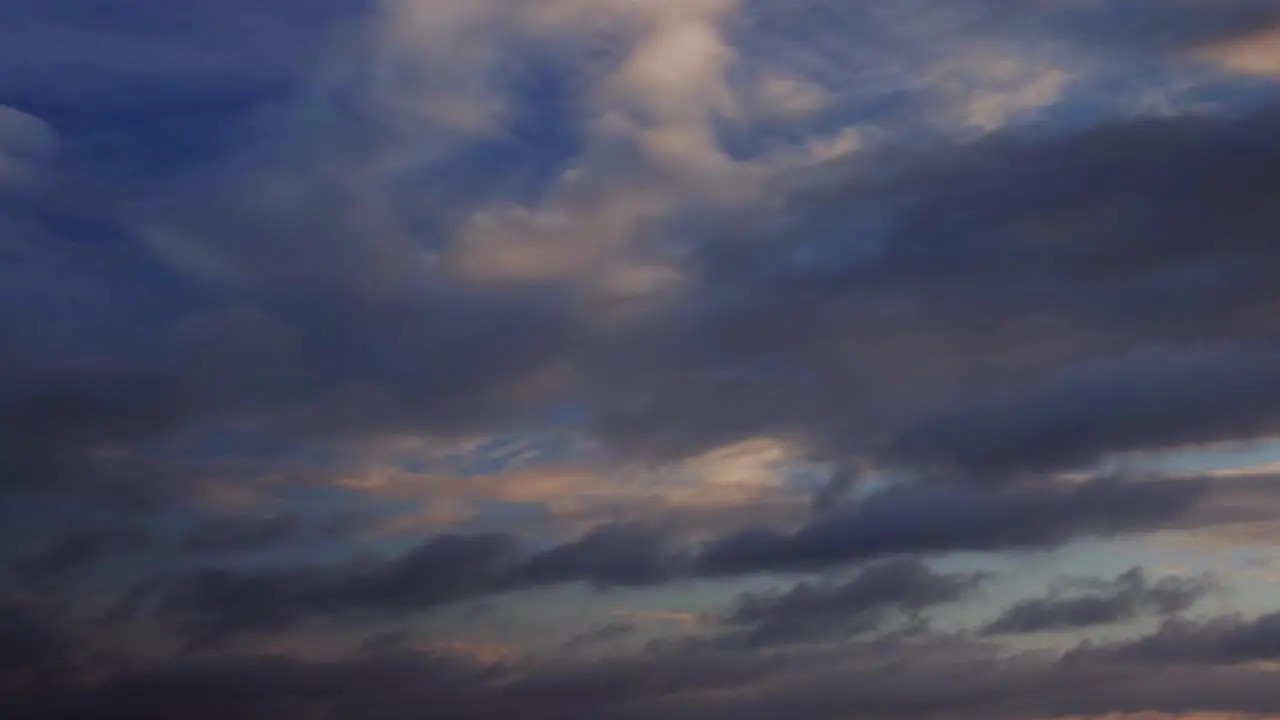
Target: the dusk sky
pixel 639 359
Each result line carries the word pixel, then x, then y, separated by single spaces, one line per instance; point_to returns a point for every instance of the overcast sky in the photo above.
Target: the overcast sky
pixel 639 359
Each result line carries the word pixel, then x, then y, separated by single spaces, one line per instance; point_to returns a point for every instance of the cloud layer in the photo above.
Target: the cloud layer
pixel 366 356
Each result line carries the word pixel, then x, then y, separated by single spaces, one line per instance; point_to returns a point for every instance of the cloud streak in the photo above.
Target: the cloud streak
pixel 1127 597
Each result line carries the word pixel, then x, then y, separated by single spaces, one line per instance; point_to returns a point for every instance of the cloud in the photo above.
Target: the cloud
pixel 310 246
pixel 921 255
pixel 699 494
pixel 1127 597
pixel 1088 291
pixel 1153 399
pixel 788 97
pixel 1252 54
pixel 31 644
pixel 233 535
pixel 1221 641
pixel 913 520
pixel 76 551
pixel 867 602
pixel 915 679
pixel 141 44
pixel 1170 716
pixel 990 89
pixel 60 423
pixel 210 605
pixel 609 555
pixel 27 146
pixel 1162 27
pixel 309 243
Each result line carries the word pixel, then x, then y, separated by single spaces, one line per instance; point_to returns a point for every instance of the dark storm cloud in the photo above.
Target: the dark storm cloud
pixel 75 551
pixel 1140 400
pixel 1218 642
pixel 240 535
pixel 56 424
pixel 340 366
pixel 1241 512
pixel 220 264
pixel 86 377
pixel 1178 669
pixel 31 643
pixel 211 605
pixel 385 686
pixel 915 520
pixel 920 678
pixel 1034 303
pixel 380 686
pixel 610 555
pixel 828 611
pixel 214 604
pixel 1127 597
pixel 984 686
pixel 601 635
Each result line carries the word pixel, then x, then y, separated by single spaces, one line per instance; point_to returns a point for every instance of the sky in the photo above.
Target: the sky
pixel 638 359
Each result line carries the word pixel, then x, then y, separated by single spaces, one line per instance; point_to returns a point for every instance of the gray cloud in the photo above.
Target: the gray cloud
pixel 75 551
pixel 1151 399
pixel 867 602
pixel 1011 318
pixel 997 292
pixel 916 678
pixel 31 643
pixel 224 271
pixel 1127 597
pixel 940 520
pixel 1222 641
pixel 54 420
pixel 609 555
pixel 242 535
pixel 213 604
